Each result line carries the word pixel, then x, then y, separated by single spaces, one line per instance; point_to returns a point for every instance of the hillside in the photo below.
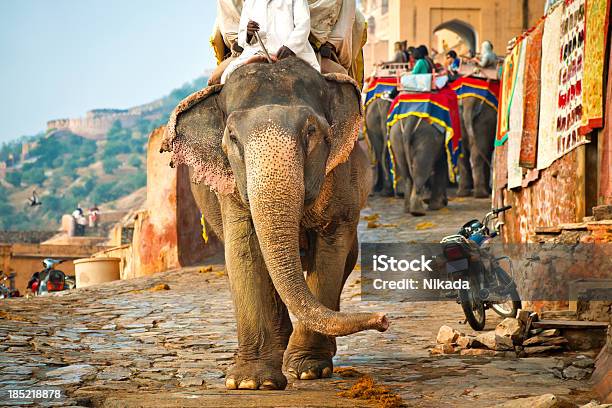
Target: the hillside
pixel 67 166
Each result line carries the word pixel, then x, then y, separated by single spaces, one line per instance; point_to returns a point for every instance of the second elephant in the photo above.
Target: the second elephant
pixel 419 156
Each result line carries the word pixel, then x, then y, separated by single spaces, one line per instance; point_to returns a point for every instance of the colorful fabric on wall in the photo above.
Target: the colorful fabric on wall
pixel 515 121
pixel 507 94
pixel 378 87
pixel 531 97
pixel 549 88
pixel 440 108
pixel 570 108
pixel 597 19
pixel 486 91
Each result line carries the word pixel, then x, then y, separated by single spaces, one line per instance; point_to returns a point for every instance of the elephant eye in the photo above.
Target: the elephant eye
pixel 311 129
pixel 233 138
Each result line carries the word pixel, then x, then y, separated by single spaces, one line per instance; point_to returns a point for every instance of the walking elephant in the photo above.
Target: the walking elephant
pixel 276 173
pixel 420 159
pixel 478 122
pixel 376 132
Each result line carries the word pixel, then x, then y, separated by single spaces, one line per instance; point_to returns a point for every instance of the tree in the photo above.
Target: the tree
pixel 34 176
pixel 14 177
pixel 110 164
pixel 135 161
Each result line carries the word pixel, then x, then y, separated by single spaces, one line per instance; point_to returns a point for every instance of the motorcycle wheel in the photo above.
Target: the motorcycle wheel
pixel 473 309
pixel 510 307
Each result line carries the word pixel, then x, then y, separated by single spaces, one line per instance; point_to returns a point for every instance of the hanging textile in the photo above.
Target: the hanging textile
pixel 515 121
pixel 569 108
pixel 508 90
pixel 485 90
pixel 597 19
pixel 531 97
pixel 378 87
pixel 549 88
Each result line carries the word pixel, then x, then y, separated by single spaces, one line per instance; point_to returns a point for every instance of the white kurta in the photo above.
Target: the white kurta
pixel 228 19
pixel 281 23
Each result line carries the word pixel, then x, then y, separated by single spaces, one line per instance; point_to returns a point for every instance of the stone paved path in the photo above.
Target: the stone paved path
pixel 132 343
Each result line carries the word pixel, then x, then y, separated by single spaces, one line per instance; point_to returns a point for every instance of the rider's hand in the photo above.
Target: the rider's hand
pixel 284 52
pixel 252 28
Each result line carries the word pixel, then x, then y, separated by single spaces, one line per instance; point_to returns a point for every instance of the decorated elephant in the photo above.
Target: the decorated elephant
pixel 420 161
pixel 278 176
pixel 479 122
pixel 376 130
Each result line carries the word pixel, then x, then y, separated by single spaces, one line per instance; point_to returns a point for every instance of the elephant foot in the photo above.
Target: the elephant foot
pixel 436 205
pixel 480 193
pixel 399 194
pixel 255 375
pixel 464 192
pixel 416 207
pixel 387 192
pixel 310 362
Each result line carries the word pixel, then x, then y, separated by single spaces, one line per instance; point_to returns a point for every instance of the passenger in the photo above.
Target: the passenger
pixel 225 36
pixel 79 220
pixel 488 59
pixel 283 27
pixel 399 53
pixel 331 33
pixel 421 65
pixel 452 63
pixel 425 52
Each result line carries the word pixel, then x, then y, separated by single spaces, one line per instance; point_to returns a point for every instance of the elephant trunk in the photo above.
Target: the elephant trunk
pixel 276 195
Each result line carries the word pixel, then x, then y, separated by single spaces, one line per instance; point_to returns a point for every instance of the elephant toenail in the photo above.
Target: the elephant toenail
pixel 326 373
pixel 247 385
pixel 230 383
pixel 308 375
pixel 267 385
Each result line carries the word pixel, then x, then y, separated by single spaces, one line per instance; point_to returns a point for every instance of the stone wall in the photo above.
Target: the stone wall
pixel 168 233
pixel 26 237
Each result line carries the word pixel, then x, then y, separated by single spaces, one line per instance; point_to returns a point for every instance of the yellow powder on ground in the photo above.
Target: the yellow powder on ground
pixel 366 389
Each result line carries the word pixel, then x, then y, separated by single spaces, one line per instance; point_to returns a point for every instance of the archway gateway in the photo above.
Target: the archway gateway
pixel 455 34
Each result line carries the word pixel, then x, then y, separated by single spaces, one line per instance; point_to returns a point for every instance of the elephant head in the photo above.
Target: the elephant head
pixel 270 135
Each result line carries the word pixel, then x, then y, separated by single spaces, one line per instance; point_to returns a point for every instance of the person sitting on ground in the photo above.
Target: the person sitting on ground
pixel 80 221
pixel 283 28
pixel 487 59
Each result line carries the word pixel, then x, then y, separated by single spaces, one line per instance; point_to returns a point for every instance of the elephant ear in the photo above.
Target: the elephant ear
pixel 344 115
pixel 194 134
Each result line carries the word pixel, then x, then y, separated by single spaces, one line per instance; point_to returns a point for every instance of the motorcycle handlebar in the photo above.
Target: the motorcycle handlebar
pixel 502 209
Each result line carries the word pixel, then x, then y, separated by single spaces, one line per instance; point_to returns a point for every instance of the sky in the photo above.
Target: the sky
pixel 61 58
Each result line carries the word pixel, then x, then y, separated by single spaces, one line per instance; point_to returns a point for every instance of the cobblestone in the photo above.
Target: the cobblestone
pixel 119 344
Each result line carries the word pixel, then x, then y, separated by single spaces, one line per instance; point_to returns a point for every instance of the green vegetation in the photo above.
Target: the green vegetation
pixel 67 169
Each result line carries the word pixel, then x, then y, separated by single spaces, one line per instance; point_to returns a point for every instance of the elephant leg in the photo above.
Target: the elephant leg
pixel 466 182
pixel 309 354
pixel 482 152
pixel 480 172
pixel 400 152
pixel 422 165
pixel 439 181
pixel 262 318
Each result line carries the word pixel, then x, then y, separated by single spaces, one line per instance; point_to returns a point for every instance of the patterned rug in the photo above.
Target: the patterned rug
pixel 515 121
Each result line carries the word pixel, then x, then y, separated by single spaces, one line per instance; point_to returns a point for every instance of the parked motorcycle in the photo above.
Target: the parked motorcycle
pixel 7 291
pixel 468 258
pixel 50 279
